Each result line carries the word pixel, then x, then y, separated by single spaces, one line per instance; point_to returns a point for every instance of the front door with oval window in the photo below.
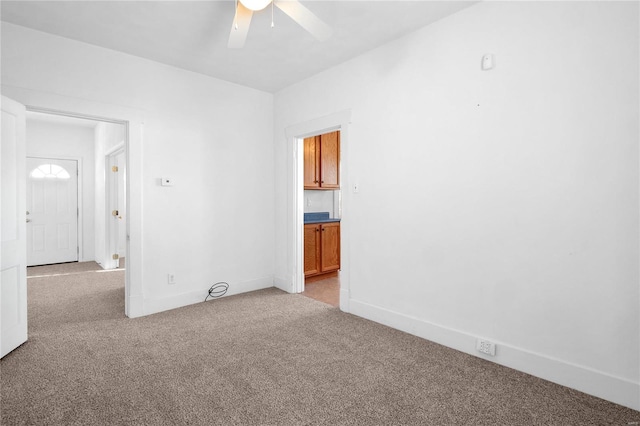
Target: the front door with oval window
pixel 52 211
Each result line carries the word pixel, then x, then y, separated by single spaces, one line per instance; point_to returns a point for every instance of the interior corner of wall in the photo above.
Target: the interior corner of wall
pixel 282 284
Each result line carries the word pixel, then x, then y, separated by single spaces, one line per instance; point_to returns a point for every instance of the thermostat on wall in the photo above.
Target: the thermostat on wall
pixel 166 181
pixel 487 61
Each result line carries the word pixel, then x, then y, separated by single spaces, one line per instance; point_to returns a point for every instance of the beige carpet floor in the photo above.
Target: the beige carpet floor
pixel 67 268
pixel 262 358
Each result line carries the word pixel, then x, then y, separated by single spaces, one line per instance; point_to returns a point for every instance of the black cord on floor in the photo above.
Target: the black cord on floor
pixel 217 290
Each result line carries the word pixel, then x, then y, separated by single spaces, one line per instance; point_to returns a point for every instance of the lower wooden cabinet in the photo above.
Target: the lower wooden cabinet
pixel 321 248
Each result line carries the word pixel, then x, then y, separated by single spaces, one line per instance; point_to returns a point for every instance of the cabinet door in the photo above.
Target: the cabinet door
pixel 330 160
pixel 330 251
pixel 311 249
pixel 311 162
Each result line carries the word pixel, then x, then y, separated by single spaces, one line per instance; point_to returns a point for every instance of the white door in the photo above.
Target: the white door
pixel 13 278
pixel 52 211
pixel 116 227
pixel 122 205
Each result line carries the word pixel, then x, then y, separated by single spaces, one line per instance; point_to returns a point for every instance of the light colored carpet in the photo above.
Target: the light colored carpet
pixel 62 268
pixel 261 358
pixel 67 268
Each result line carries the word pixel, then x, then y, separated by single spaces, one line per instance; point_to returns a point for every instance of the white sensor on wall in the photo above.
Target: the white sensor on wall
pixel 487 61
pixel 166 181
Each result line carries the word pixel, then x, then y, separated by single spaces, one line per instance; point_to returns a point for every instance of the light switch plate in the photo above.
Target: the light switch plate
pixel 166 181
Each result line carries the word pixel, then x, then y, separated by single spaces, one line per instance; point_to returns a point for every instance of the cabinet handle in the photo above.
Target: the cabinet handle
pixel 322 181
pixel 315 181
pixel 322 229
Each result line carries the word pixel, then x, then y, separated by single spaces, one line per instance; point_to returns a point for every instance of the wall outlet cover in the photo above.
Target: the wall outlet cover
pixel 486 347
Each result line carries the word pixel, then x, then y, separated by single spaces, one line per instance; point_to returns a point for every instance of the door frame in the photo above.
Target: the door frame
pixel 295 237
pixel 133 277
pixel 134 131
pixel 80 224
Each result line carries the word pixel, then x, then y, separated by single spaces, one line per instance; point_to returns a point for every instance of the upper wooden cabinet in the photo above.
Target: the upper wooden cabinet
pixel 311 160
pixel 322 161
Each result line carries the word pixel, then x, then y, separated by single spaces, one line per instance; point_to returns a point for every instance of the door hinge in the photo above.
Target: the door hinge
pixel 114 213
pixel 114 168
pixel 115 257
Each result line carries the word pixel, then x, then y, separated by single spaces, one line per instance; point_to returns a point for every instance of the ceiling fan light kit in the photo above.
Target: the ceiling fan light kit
pixel 255 5
pixel 292 8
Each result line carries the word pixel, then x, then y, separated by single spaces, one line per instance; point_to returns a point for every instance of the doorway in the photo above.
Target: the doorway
pixel 130 121
pixel 71 191
pixel 52 211
pixel 322 216
pixel 296 205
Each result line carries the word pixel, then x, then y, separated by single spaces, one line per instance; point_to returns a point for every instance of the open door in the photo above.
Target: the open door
pixel 13 255
pixel 115 166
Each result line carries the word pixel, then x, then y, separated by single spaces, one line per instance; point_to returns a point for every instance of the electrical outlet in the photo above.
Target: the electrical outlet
pixel 171 279
pixel 486 347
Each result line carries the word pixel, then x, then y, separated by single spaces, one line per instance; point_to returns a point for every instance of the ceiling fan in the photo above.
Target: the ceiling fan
pixel 296 11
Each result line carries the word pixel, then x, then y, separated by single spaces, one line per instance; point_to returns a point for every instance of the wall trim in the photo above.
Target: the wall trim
pixel 345 305
pixel 593 382
pixel 135 306
pixel 153 305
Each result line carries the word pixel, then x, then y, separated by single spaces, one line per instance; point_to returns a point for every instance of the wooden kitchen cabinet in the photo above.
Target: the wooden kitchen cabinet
pixel 321 248
pixel 322 161
pixel 311 161
pixel 330 247
pixel 311 249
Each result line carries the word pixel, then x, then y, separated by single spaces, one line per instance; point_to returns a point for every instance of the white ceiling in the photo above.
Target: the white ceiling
pixel 193 34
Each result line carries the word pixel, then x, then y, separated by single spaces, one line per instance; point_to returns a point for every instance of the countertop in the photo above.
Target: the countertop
pixel 319 217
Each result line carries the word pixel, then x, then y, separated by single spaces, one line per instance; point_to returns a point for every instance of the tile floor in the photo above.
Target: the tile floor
pixel 324 288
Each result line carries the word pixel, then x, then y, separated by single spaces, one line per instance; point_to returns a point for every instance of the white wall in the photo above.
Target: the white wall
pixel 502 203
pixel 319 201
pixel 213 138
pixel 57 140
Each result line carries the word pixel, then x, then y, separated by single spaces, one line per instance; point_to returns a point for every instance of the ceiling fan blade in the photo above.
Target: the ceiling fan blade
pixel 240 27
pixel 305 18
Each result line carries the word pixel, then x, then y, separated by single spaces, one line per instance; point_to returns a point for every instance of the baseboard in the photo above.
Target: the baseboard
pixel 155 305
pixel 345 301
pixel 615 389
pixel 135 307
pixel 283 284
